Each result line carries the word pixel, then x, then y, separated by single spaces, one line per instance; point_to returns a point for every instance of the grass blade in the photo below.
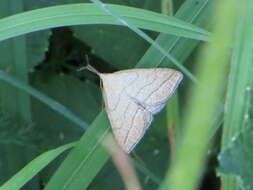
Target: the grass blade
pixel 34 167
pixel 83 163
pixel 76 14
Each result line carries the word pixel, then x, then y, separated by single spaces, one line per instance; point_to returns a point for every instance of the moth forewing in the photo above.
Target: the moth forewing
pixel 132 97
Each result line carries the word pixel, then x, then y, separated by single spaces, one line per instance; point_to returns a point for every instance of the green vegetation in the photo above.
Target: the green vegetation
pixel 53 125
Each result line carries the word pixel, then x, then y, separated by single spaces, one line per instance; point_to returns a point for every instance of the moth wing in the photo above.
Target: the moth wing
pixel 132 96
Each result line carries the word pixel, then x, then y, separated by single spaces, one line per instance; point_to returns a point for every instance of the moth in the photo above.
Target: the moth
pixel 132 97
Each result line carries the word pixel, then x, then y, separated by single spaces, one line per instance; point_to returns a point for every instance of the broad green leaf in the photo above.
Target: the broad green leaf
pixel 37 45
pixel 43 98
pixel 236 159
pixel 81 97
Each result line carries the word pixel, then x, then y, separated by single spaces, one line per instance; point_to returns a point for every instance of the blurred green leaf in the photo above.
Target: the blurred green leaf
pixel 204 99
pixel 239 83
pixel 237 158
pixel 14 102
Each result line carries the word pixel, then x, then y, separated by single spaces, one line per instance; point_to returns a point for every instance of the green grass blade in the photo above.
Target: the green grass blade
pixel 240 79
pixel 34 167
pixel 86 159
pixel 76 14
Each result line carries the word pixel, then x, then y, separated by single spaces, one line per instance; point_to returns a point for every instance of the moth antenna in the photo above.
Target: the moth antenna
pixel 89 67
pixel 92 69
